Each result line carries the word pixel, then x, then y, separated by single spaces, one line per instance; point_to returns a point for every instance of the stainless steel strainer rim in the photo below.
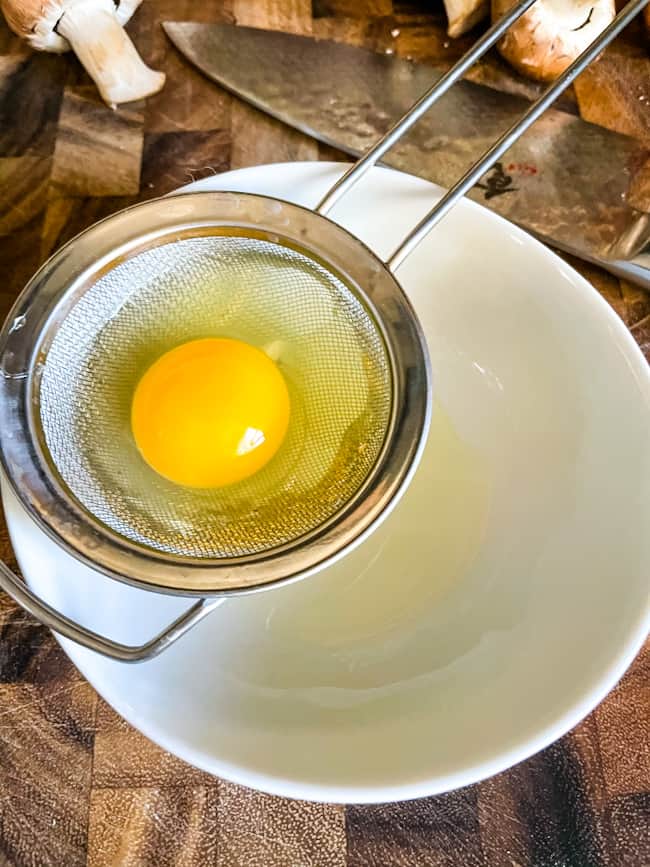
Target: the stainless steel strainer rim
pixel 99 248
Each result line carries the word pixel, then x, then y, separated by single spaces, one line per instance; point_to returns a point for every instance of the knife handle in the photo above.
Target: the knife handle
pixel 635 270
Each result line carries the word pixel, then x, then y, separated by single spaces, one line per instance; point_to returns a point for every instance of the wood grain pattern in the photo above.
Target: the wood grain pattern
pixel 189 101
pixel 46 741
pixel 25 182
pixel 294 16
pixel 31 88
pixel 257 829
pixel 157 827
pixel 432 832
pixel 77 784
pixel 625 765
pixel 91 135
pixel 123 758
pixel 172 159
pixel 615 92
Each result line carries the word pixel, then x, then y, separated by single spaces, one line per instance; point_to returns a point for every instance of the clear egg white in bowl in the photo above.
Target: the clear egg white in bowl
pixel 500 601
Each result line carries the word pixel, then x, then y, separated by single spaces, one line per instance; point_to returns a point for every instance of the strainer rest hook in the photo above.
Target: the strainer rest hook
pixel 66 627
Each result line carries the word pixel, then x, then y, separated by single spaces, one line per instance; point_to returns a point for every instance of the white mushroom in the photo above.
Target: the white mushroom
pixel 549 37
pixel 462 15
pixel 93 30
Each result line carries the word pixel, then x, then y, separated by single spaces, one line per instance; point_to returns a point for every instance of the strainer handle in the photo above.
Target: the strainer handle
pixel 490 157
pixel 372 156
pixel 59 623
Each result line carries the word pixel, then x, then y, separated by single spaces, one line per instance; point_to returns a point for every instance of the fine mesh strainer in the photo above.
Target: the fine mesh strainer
pixel 159 274
pixel 329 345
pixel 267 272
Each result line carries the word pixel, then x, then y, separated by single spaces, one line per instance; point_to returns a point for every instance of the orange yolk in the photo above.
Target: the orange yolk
pixel 210 412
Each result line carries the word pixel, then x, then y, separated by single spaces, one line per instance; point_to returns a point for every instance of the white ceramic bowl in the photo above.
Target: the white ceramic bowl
pixel 498 604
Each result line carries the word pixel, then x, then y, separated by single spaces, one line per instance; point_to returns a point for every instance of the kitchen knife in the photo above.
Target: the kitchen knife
pixel 565 181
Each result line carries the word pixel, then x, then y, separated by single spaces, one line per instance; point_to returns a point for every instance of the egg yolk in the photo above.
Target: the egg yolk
pixel 210 412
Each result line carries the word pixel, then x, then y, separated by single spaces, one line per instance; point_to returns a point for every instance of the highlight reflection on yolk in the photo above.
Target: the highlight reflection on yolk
pixel 210 412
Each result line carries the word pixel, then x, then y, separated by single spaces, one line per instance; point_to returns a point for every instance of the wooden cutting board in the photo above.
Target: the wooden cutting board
pixel 77 784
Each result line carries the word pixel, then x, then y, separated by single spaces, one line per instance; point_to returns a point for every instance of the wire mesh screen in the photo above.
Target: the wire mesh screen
pixel 326 343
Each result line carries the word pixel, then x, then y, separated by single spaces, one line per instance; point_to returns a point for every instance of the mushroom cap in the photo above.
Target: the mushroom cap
pixel 549 37
pixel 35 20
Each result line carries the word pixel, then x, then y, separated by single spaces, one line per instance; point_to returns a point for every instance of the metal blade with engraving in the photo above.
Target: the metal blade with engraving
pixel 565 180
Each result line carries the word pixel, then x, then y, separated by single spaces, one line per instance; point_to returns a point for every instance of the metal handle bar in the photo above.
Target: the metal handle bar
pixel 404 124
pixel 485 162
pixel 61 624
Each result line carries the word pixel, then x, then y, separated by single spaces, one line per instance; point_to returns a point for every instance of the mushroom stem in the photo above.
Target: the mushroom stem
pixel 103 47
pixel 462 15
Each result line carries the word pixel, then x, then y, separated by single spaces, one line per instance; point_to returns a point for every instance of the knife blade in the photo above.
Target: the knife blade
pixel 566 180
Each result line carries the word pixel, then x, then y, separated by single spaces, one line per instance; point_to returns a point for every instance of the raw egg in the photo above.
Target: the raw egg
pixel 210 412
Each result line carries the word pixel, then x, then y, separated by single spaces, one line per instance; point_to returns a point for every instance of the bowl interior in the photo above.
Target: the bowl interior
pixel 497 604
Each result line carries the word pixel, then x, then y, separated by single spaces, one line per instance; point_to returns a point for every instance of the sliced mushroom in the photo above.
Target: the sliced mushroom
pixel 93 30
pixel 549 37
pixel 462 15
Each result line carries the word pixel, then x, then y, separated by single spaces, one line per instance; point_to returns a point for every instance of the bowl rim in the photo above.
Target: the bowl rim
pixel 427 785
